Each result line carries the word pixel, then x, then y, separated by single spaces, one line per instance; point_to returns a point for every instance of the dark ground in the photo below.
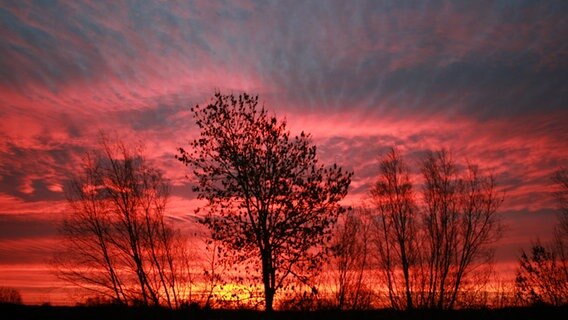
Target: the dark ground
pixel 124 313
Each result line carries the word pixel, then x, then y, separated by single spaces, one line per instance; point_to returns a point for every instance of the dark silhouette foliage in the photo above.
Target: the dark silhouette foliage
pixel 269 202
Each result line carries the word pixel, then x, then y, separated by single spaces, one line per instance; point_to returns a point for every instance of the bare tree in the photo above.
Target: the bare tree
pixel 461 223
pixel 542 276
pixel 396 229
pixel 426 249
pixel 560 179
pixel 116 241
pixel 273 203
pixel 350 253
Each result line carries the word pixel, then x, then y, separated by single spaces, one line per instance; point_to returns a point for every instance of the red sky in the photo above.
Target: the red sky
pixel 486 79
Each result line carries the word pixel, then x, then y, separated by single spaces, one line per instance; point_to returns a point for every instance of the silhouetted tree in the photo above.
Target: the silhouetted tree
pixel 350 260
pixel 426 251
pixel 268 199
pixel 542 276
pixel 396 226
pixel 10 296
pixel 116 241
pixel 461 224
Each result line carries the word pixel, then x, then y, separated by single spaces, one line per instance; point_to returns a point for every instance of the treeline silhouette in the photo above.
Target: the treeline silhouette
pixel 276 233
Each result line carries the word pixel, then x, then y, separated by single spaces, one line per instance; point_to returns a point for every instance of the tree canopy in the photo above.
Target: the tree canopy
pixel 269 201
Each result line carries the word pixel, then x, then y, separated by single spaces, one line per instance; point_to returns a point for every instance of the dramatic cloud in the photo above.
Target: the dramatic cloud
pixel 486 79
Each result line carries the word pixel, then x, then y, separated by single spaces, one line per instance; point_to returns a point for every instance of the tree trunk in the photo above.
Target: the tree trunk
pixel 268 281
pixel 269 297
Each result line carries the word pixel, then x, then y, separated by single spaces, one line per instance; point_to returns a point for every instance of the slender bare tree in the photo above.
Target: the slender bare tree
pixel 461 223
pixel 396 226
pixel 116 241
pixel 350 261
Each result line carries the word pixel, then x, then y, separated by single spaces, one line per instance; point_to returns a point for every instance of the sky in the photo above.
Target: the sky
pixel 487 80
